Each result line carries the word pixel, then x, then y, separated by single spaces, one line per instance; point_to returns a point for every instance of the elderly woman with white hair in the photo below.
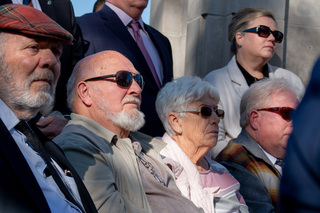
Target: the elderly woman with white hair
pixel 188 110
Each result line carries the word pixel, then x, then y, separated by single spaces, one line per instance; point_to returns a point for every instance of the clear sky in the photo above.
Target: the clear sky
pixel 85 6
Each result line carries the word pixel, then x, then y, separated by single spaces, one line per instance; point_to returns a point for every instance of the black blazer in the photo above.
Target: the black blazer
pixel 19 189
pixel 62 12
pixel 105 31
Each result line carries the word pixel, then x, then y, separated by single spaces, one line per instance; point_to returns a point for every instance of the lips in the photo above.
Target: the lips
pixel 49 81
pixel 270 47
pixel 215 131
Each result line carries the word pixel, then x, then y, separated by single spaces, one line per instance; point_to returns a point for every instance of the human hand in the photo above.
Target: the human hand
pixel 52 125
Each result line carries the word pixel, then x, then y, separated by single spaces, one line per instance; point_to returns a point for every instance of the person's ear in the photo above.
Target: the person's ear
pixel 83 91
pixel 175 122
pixel 254 119
pixel 239 39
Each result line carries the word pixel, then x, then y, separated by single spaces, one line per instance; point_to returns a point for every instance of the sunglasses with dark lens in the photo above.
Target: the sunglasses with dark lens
pixel 123 78
pixel 206 111
pixel 284 112
pixel 265 31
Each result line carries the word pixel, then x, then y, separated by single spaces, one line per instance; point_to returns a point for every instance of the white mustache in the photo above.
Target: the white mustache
pixel 132 99
pixel 46 75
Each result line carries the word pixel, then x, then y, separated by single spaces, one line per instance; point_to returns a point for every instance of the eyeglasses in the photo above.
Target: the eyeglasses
pixel 265 31
pixel 284 112
pixel 123 78
pixel 206 111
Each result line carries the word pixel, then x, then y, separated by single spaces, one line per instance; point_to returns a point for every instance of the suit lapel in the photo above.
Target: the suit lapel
pixel 250 144
pixel 166 57
pixel 113 22
pixel 238 81
pixel 19 165
pixel 48 9
pixel 57 154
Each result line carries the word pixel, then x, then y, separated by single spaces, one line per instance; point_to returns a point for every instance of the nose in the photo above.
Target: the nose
pixel 214 118
pixel 135 88
pixel 49 59
pixel 271 36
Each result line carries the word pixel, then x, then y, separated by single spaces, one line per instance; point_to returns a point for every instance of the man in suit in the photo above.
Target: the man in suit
pixel 109 29
pixel 299 188
pixel 35 174
pixel 265 111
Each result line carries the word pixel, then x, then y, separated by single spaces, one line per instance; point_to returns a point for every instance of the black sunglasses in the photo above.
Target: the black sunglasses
pixel 284 112
pixel 206 111
pixel 265 31
pixel 123 78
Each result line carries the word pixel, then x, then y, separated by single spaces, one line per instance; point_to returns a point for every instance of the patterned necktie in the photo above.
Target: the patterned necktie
pixel 31 138
pixel 135 28
pixel 27 2
pixel 279 162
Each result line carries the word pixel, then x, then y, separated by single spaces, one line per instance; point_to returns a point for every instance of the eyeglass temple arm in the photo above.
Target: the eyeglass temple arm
pixel 99 78
pixel 255 29
pixel 191 110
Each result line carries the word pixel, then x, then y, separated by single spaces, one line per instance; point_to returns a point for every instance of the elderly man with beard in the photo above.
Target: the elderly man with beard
pixel 121 168
pixel 35 174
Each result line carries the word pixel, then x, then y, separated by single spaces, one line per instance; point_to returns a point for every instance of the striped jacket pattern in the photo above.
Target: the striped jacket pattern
pixel 246 152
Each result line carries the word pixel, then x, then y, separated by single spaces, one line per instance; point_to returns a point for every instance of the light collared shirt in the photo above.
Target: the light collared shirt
pixel 35 3
pixel 154 55
pixel 273 160
pixel 55 198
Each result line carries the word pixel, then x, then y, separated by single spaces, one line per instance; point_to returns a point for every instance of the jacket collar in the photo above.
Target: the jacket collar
pixel 245 140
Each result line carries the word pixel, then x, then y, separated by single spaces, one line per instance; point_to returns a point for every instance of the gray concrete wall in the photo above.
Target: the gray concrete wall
pixel 197 30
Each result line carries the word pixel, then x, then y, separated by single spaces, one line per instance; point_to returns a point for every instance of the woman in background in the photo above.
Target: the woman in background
pixel 254 37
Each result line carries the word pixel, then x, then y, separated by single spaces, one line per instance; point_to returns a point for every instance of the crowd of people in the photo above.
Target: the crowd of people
pixel 92 120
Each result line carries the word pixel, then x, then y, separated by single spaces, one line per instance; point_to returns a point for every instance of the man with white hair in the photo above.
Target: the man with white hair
pixel 121 168
pixel 35 174
pixel 265 117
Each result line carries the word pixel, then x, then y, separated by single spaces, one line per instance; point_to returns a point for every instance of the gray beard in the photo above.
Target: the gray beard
pixel 18 96
pixel 127 121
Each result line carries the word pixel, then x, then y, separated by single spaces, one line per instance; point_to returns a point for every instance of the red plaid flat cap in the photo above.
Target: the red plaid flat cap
pixel 27 20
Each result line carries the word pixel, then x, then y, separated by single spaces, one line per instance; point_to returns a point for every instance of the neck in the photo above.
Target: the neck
pixel 134 12
pixel 120 132
pixel 254 67
pixel 25 114
pixel 195 154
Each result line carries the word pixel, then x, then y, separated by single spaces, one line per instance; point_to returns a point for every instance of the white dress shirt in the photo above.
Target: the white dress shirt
pixel 55 198
pixel 273 160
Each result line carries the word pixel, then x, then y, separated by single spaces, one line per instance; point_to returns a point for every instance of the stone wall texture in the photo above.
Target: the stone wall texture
pixel 197 30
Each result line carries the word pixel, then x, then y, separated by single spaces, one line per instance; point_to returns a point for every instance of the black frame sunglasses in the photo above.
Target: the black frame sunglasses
pixel 265 32
pixel 206 111
pixel 284 112
pixel 123 78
